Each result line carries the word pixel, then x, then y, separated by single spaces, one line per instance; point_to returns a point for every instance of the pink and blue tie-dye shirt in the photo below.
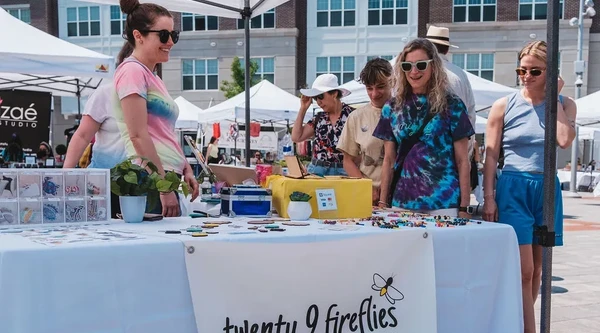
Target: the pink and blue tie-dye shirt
pixel 133 77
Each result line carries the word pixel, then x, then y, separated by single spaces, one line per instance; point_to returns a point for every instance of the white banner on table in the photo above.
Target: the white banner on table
pixel 378 283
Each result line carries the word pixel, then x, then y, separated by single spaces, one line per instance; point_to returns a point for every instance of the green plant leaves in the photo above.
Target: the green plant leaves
pixel 131 177
pixel 299 196
pixel 164 185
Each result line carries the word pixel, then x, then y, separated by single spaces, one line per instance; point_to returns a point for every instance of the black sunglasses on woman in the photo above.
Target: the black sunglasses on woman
pixel 164 35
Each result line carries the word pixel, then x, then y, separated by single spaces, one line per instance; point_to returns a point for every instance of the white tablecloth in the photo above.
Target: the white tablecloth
pixel 564 176
pixel 137 286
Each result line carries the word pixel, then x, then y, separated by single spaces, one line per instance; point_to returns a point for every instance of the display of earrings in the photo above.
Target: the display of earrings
pixel 8 185
pixel 30 211
pixel 9 212
pixel 96 210
pixel 53 211
pixel 75 184
pixel 30 185
pixel 52 185
pixel 54 196
pixel 75 210
pixel 96 184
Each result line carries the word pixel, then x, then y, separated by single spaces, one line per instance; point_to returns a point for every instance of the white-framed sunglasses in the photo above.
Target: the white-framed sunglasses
pixel 421 65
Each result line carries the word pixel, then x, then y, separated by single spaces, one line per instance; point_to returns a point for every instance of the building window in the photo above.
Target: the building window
pixel 474 10
pixel 200 74
pixel 480 64
pixel 22 13
pixel 117 21
pixel 386 57
pixel 388 12
pixel 336 13
pixel 83 21
pixel 265 71
pixel 263 21
pixel 536 9
pixel 194 22
pixel 342 67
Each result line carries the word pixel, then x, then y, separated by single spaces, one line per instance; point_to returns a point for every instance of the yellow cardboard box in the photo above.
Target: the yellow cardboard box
pixel 353 196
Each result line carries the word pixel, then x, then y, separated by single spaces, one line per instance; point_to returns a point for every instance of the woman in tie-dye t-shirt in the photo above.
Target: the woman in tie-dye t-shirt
pixel 144 110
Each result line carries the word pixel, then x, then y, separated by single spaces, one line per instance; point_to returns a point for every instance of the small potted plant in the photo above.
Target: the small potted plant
pixel 136 186
pixel 299 207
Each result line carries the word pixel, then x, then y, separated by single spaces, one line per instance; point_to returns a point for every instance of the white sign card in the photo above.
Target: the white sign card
pixel 326 199
pixel 371 283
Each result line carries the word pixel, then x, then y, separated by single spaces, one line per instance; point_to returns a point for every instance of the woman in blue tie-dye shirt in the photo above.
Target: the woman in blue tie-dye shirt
pixel 434 177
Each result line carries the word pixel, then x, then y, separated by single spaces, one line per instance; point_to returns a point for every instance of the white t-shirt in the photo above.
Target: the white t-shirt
pixel 108 150
pixel 460 85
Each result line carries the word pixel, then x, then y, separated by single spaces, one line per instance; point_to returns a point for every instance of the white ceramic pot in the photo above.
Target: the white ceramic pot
pixel 133 208
pixel 299 210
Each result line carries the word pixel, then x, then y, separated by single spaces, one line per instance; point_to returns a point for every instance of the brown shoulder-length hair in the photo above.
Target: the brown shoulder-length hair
pixel 437 88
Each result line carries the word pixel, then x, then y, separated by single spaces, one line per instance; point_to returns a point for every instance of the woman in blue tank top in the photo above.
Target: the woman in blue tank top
pixel 516 124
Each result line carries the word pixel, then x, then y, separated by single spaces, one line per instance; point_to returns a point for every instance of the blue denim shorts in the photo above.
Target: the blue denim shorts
pixel 325 171
pixel 520 200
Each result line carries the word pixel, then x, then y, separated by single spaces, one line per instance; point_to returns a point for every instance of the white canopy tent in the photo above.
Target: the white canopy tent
pixel 188 114
pixel 35 60
pixel 222 8
pixel 480 124
pixel 485 92
pixel 268 103
pixel 588 110
pixel 242 9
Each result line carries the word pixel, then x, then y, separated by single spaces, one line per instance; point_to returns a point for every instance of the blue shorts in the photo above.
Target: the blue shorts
pixel 519 196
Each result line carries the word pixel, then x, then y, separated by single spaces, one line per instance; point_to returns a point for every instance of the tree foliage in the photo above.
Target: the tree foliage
pixel 237 83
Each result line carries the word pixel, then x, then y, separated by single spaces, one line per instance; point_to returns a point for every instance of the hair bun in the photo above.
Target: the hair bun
pixel 128 6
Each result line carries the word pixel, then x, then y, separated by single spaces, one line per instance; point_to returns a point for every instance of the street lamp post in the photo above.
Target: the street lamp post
pixel 585 10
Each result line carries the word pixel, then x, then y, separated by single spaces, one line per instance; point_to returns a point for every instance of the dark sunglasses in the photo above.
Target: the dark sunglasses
pixel 164 35
pixel 319 97
pixel 421 66
pixel 533 72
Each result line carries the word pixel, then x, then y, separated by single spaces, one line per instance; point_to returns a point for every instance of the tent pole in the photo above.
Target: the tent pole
pixel 546 232
pixel 246 16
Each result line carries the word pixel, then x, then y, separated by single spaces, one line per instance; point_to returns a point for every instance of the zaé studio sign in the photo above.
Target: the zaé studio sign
pixel 338 285
pixel 368 317
pixel 26 113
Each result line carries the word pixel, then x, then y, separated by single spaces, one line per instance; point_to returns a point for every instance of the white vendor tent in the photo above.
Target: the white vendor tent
pixel 480 124
pixel 188 114
pixel 34 60
pixel 485 92
pixel 588 110
pixel 268 103
pixel 222 8
pixel 589 133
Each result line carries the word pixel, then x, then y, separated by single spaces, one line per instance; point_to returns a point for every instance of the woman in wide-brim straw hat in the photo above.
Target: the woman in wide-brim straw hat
pixel 326 127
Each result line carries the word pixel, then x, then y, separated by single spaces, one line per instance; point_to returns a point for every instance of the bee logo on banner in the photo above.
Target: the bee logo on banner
pixel 26 113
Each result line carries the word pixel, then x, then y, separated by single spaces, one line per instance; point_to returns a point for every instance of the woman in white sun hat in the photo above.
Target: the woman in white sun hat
pixel 326 127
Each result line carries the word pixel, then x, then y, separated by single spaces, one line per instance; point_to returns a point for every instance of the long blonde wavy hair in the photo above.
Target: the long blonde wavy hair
pixel 437 88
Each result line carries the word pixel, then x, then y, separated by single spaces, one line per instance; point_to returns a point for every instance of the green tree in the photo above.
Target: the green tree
pixel 237 84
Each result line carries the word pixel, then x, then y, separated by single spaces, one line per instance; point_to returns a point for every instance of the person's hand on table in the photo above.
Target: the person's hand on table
pixel 375 194
pixel 170 205
pixel 464 215
pixel 192 184
pixel 490 210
